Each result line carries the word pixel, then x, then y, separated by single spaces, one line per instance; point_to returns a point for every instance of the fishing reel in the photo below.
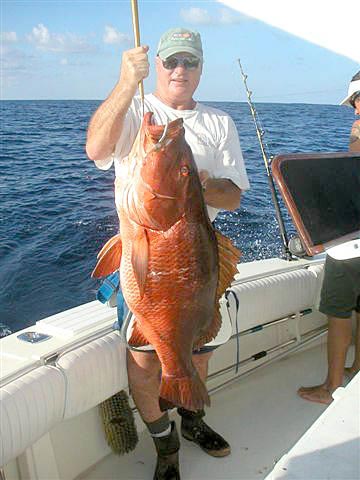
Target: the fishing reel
pixel 296 247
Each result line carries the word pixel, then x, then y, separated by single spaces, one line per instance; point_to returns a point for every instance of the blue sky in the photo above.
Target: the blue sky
pixel 71 49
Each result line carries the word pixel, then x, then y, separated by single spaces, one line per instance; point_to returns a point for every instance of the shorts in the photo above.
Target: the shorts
pixel 340 292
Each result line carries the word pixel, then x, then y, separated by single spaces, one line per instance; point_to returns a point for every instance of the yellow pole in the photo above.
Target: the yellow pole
pixel 135 19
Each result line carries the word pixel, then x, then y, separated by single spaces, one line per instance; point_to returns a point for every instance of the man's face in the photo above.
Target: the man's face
pixel 178 76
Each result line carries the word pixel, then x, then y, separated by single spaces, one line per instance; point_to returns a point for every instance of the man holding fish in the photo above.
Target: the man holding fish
pixel 176 167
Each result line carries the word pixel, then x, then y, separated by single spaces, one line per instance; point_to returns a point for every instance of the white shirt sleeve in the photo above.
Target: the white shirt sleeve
pixel 105 163
pixel 229 157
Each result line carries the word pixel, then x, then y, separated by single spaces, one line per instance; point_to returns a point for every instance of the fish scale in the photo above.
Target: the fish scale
pixel 173 284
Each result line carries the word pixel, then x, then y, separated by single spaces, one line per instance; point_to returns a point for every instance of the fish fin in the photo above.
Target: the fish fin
pixel 140 258
pixel 229 257
pixel 211 332
pixel 137 338
pixel 110 243
pixel 109 257
pixel 187 392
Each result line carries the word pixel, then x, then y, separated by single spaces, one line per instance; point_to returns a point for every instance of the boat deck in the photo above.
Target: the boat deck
pixel 260 415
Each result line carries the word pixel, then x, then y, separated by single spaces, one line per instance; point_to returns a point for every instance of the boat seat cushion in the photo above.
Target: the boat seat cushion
pixel 93 373
pixel 274 297
pixel 29 407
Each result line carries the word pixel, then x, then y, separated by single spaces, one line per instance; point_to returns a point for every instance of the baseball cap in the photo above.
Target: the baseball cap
pixel 178 40
pixel 353 87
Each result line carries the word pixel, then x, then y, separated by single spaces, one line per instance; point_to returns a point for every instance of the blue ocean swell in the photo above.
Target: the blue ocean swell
pixel 57 209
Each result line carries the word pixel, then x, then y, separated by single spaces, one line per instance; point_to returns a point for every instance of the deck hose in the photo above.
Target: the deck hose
pixel 119 423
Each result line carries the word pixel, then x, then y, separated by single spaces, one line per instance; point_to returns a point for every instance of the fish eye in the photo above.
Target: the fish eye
pixel 184 171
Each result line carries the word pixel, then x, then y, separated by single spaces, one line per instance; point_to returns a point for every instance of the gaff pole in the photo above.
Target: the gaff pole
pixel 260 134
pixel 135 20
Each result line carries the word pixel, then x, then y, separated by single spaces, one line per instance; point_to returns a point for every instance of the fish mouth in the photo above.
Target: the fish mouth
pixel 144 204
pixel 155 132
pixel 136 206
pixel 154 193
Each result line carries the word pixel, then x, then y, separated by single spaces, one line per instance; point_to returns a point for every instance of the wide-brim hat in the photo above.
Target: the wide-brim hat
pixel 178 40
pixel 353 88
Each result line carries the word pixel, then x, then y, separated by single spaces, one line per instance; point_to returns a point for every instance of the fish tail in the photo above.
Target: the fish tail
pixel 188 392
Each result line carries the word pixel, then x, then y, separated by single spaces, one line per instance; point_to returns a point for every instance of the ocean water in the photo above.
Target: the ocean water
pixel 57 209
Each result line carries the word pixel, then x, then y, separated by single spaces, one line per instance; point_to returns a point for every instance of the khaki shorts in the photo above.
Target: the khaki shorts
pixel 340 293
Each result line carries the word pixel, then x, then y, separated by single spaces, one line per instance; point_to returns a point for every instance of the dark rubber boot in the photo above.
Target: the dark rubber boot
pixel 194 429
pixel 167 467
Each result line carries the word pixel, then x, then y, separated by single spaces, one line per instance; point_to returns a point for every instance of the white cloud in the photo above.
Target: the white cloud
pixel 40 35
pixel 14 65
pixel 112 36
pixel 43 39
pixel 200 16
pixel 196 15
pixel 64 61
pixel 8 37
pixel 12 58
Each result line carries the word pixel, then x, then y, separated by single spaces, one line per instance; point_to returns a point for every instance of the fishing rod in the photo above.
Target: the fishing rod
pixel 260 133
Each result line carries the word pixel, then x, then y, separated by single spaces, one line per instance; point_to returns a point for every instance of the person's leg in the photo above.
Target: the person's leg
pixel 354 269
pixel 193 427
pixel 355 367
pixel 144 372
pixel 339 338
pixel 144 382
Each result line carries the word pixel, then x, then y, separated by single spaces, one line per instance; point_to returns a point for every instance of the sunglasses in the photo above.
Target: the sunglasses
pixel 189 63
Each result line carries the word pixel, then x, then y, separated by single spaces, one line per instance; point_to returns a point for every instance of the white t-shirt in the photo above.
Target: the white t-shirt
pixel 210 132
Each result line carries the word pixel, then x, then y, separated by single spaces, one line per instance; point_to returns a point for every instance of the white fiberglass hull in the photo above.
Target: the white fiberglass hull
pixel 51 390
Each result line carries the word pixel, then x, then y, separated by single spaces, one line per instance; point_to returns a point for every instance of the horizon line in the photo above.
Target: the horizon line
pixel 200 101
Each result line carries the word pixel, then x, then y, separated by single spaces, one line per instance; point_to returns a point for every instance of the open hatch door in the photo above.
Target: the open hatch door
pixel 322 194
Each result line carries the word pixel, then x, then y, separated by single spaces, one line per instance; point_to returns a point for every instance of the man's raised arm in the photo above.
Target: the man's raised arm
pixel 107 122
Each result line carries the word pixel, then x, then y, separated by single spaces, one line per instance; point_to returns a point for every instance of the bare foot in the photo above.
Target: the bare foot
pixel 318 394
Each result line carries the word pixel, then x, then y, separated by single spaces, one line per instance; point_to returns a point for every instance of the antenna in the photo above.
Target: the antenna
pixel 260 133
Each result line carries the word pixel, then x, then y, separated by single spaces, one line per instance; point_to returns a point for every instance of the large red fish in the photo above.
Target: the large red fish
pixel 174 267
